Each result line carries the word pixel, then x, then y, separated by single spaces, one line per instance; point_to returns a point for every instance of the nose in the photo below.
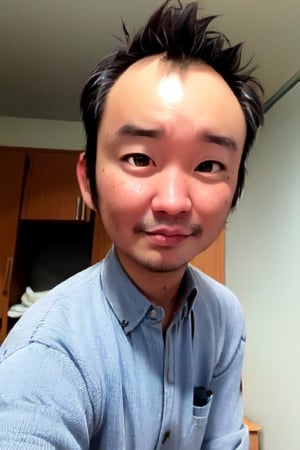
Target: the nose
pixel 172 194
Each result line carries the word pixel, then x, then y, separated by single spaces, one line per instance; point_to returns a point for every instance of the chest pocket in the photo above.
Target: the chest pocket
pixel 197 427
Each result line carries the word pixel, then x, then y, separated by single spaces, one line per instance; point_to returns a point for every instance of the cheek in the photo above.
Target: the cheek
pixel 214 201
pixel 117 196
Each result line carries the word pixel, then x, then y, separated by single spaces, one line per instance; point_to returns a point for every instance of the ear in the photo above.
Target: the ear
pixel 83 181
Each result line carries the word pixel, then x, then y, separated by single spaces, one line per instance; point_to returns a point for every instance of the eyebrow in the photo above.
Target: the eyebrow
pixel 156 133
pixel 133 130
pixel 223 141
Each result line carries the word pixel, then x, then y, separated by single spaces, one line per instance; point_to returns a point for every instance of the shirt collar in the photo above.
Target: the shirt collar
pixel 129 305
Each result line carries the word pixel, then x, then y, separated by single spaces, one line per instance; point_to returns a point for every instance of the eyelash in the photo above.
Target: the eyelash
pixel 211 163
pixel 135 156
pixel 134 159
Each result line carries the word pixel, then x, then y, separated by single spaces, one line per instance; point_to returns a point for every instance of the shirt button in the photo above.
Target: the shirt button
pixel 124 323
pixel 166 436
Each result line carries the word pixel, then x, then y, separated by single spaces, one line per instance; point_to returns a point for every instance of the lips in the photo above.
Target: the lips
pixel 168 232
pixel 167 237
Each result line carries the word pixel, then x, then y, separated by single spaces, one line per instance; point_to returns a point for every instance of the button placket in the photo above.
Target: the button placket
pixel 169 386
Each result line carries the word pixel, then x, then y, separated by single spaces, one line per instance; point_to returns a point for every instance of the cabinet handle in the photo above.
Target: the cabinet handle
pixel 8 275
pixel 78 204
pixel 82 210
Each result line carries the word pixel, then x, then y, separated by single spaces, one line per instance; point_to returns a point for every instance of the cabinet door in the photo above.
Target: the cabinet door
pixel 51 189
pixel 211 261
pixel 101 241
pixel 12 165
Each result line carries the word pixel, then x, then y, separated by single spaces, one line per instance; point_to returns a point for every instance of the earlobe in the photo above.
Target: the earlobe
pixel 83 181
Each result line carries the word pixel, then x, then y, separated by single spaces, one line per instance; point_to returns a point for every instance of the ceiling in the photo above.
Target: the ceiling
pixel 48 47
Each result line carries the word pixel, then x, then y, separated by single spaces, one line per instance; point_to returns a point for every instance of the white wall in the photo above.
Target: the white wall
pixel 38 133
pixel 263 268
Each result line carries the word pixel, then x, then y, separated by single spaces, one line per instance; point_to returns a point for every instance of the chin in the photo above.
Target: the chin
pixel 160 264
pixel 162 267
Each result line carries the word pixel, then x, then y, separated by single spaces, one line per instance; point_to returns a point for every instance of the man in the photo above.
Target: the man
pixel 142 351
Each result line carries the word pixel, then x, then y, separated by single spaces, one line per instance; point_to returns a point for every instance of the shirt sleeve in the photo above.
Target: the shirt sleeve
pixel 225 428
pixel 44 401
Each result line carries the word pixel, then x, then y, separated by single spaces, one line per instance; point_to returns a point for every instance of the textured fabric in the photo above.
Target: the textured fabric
pixel 87 367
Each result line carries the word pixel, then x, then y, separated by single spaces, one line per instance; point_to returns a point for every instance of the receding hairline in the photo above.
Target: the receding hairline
pixel 174 63
pixel 167 67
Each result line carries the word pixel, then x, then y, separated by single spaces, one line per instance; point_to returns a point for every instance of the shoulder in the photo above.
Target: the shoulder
pixel 52 318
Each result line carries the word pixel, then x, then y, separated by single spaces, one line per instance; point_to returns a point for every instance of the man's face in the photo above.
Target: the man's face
pixel 168 154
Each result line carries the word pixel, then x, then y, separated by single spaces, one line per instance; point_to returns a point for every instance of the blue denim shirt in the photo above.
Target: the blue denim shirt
pixel 87 367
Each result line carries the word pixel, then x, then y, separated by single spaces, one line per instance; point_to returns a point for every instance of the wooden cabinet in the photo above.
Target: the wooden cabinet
pixel 12 164
pixel 46 233
pixel 51 189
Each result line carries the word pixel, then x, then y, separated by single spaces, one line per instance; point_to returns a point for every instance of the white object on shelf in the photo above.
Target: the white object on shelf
pixel 27 299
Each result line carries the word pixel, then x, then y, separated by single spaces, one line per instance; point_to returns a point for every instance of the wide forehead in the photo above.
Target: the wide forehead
pixel 158 90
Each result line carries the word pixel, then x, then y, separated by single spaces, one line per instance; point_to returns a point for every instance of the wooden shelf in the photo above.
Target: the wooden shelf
pixel 254 430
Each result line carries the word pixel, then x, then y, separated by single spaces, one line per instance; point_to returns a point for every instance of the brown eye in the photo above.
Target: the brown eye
pixel 138 160
pixel 210 167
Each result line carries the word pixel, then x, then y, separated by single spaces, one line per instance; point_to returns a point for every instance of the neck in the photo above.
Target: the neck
pixel 160 288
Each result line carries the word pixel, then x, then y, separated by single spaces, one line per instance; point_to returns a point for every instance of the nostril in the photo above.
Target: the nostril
pixel 174 206
pixel 172 191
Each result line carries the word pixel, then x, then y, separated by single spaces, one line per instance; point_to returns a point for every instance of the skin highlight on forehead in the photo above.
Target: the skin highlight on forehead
pixel 170 88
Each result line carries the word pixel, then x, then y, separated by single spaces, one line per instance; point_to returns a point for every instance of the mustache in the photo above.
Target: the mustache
pixel 189 229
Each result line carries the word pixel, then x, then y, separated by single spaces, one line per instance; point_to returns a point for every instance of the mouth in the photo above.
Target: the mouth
pixel 168 237
pixel 169 232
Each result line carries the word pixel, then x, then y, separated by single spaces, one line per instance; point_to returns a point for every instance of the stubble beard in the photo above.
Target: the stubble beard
pixel 160 267
pixel 163 266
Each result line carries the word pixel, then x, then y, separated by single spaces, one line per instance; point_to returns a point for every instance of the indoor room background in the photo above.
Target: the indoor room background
pixel 40 44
